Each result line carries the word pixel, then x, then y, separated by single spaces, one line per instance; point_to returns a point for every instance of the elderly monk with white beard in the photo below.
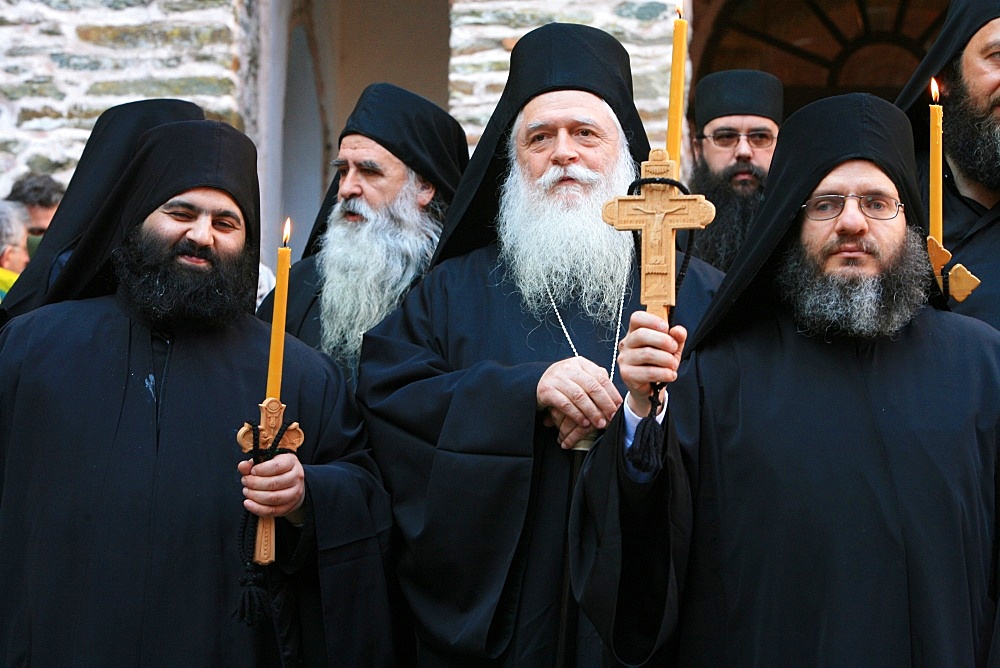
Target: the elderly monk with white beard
pixel 400 159
pixel 504 357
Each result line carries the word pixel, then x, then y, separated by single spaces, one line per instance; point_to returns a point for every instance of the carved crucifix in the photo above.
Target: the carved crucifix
pixel 658 213
pixel 961 281
pixel 272 412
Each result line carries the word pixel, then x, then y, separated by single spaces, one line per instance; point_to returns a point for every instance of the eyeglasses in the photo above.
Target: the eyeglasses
pixel 828 207
pixel 729 138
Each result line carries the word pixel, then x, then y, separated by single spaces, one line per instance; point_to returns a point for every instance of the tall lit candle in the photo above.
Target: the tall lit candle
pixel 936 191
pixel 278 318
pixel 675 112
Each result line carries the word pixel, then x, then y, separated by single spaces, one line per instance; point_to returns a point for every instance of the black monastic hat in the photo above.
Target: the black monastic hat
pixel 421 134
pixel 110 148
pixel 813 141
pixel 557 56
pixel 738 93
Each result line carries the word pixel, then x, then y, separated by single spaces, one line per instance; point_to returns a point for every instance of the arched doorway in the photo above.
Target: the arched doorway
pixel 819 48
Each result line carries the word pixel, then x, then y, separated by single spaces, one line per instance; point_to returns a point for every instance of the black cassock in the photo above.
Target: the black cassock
pixel 121 502
pixel 826 503
pixel 481 490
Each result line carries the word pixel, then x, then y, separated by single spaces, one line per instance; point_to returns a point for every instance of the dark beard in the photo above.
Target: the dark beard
pixel 718 243
pixel 862 307
pixel 171 297
pixel 972 136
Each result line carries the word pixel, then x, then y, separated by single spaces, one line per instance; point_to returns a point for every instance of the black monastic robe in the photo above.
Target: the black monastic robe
pixel 121 503
pixel 844 504
pixel 481 490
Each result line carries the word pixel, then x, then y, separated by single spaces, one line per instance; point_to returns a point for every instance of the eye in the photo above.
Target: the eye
pixel 726 137
pixel 876 203
pixel 180 214
pixel 226 224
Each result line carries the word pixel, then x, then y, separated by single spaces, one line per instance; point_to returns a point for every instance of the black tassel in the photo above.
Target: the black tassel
pixel 255 601
pixel 646 453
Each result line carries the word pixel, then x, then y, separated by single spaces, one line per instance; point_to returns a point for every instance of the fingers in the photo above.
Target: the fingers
pixel 649 354
pixel 580 390
pixel 570 433
pixel 273 488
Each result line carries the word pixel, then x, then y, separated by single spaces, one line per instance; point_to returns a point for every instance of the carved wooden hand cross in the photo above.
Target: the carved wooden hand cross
pixel 659 212
pixel 272 412
pixel 961 281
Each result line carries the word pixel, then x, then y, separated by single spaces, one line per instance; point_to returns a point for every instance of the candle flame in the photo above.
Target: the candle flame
pixel 287 233
pixel 935 94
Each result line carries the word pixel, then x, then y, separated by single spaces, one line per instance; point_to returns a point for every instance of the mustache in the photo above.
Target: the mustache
pixel 355 206
pixel 579 173
pixel 867 245
pixel 188 247
pixel 743 168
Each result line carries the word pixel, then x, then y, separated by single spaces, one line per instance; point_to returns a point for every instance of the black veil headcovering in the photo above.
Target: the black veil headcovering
pixel 110 148
pixel 813 141
pixel 170 159
pixel 421 134
pixel 557 56
pixel 963 20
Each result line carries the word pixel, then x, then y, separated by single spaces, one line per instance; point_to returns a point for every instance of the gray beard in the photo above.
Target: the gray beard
pixel 863 307
pixel 972 138
pixel 551 244
pixel 718 243
pixel 367 268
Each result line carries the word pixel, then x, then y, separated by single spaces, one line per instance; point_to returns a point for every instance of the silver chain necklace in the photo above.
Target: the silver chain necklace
pixel 618 328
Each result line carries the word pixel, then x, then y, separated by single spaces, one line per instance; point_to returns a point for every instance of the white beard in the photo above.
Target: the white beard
pixel 551 240
pixel 367 268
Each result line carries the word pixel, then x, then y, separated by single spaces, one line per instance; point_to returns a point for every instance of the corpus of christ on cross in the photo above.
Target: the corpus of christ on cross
pixel 658 213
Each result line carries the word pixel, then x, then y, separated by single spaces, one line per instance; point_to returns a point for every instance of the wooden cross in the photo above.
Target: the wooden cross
pixel 658 213
pixel 272 412
pixel 961 281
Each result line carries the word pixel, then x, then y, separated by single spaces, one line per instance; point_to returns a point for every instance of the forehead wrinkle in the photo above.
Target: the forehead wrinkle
pixel 575 120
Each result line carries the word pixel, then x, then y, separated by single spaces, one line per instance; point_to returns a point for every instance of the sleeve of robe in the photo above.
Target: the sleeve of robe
pixel 351 523
pixel 456 449
pixel 629 542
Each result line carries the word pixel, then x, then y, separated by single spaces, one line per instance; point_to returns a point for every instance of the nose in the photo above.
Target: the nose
pixel 200 230
pixel 565 150
pixel 743 149
pixel 851 220
pixel 350 185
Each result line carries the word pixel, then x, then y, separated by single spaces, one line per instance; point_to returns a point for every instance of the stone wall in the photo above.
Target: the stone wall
pixel 65 61
pixel 484 31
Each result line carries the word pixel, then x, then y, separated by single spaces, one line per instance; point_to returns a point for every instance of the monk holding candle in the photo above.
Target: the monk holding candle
pixel 122 487
pixel 963 61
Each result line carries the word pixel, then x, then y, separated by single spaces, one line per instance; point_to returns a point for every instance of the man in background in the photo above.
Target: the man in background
pixel 963 59
pixel 400 159
pixel 737 116
pixel 40 194
pixel 13 244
